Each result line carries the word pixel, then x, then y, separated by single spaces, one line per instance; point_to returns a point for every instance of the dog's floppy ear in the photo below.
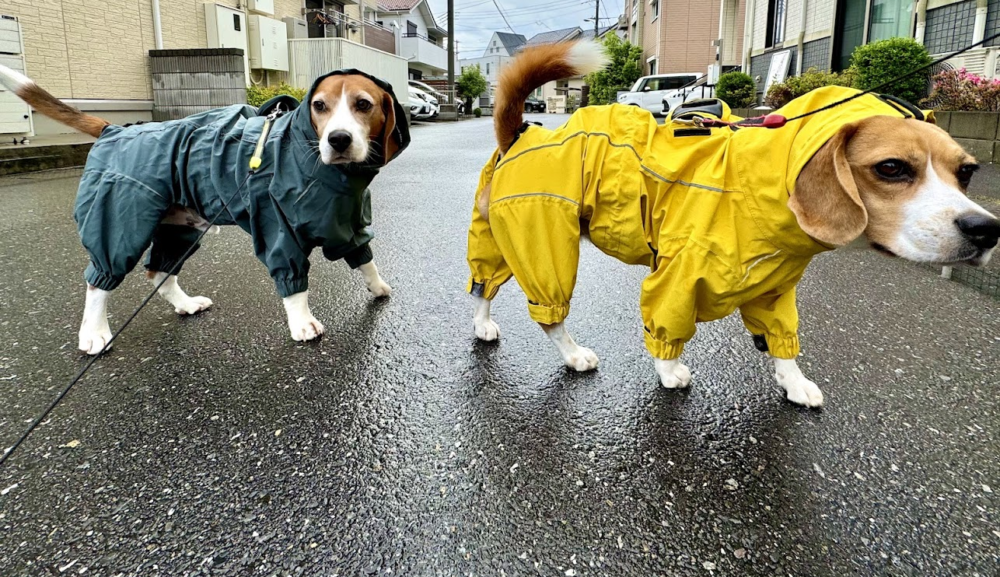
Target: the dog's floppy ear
pixel 390 136
pixel 826 201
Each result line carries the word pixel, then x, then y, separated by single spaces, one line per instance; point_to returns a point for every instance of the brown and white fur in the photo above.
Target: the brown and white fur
pixel 901 184
pixel 348 112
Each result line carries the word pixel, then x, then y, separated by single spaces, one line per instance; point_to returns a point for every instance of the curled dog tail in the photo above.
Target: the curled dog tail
pixel 532 68
pixel 26 89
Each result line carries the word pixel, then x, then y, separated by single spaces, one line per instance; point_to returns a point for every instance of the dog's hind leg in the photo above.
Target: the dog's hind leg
pixel 94 330
pixel 799 389
pixel 576 357
pixel 673 374
pixel 172 292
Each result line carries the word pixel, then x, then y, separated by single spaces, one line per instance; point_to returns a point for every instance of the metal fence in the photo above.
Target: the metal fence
pixel 309 58
pixel 984 280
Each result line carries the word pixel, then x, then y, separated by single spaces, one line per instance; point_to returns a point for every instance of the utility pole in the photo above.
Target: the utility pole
pixel 451 48
pixel 585 91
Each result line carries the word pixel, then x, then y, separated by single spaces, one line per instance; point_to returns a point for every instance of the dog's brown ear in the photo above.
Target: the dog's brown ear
pixel 826 201
pixel 390 136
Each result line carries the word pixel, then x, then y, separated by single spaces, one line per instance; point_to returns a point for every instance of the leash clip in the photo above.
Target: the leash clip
pixel 257 159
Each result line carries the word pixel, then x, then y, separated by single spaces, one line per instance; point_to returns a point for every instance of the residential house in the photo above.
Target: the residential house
pixel 500 51
pixel 822 34
pixel 419 38
pixel 561 93
pixel 94 54
pixel 687 36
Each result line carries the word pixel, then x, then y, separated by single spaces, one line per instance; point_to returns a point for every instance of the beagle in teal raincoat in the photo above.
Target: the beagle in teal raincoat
pixel 153 186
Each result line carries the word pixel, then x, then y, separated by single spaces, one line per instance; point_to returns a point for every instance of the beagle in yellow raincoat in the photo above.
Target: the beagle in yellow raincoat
pixel 727 219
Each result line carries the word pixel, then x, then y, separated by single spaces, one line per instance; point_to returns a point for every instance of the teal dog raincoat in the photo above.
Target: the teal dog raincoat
pixel 292 204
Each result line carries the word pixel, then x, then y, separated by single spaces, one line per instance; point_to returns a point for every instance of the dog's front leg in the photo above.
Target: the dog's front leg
pixel 373 280
pixel 800 390
pixel 94 330
pixel 301 322
pixel 673 374
pixel 486 328
pixel 576 357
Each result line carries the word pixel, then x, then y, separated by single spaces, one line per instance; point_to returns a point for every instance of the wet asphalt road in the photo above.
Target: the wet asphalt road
pixel 398 445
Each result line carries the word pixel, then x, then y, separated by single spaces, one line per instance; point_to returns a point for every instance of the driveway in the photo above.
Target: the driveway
pixel 398 445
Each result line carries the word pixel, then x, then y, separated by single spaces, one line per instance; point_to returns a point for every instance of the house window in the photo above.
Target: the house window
pixel 325 19
pixel 487 68
pixel 652 66
pixel 655 8
pixel 775 22
pixel 411 29
pixel 864 21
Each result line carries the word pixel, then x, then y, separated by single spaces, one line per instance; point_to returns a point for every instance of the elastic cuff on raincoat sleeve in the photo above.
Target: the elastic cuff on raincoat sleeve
pixel 665 350
pixel 359 256
pixel 486 288
pixel 548 314
pixel 101 280
pixel 782 346
pixel 290 286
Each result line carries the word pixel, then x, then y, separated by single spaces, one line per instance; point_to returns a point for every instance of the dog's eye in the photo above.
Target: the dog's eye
pixel 965 173
pixel 364 105
pixel 319 105
pixel 893 170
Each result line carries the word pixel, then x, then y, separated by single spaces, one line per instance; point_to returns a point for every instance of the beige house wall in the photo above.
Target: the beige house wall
pixel 99 49
pixel 680 38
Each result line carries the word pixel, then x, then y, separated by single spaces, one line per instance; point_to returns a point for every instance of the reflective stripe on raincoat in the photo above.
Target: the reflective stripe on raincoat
pixel 292 204
pixel 706 210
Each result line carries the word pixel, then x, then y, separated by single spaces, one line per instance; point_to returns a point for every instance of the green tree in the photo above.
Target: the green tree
pixel 470 84
pixel 737 89
pixel 625 68
pixel 882 61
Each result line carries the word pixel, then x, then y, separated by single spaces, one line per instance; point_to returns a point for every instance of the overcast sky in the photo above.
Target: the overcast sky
pixel 476 20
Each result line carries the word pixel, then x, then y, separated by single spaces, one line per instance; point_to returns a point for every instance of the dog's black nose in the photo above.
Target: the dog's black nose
pixel 982 230
pixel 340 140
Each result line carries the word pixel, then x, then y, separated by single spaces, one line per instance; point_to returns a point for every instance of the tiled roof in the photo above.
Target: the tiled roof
pixel 589 33
pixel 511 41
pixel 397 4
pixel 554 36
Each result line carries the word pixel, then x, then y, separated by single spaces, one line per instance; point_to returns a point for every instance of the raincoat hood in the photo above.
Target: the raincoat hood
pixel 301 121
pixel 804 137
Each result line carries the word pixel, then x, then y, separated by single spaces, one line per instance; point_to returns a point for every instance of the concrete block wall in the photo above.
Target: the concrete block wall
pixel 977 132
pixel 186 82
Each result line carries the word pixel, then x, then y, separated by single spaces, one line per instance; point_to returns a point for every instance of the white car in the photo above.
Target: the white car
pixel 655 93
pixel 422 105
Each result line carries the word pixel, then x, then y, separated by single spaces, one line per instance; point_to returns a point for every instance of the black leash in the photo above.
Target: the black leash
pixel 777 120
pixel 255 162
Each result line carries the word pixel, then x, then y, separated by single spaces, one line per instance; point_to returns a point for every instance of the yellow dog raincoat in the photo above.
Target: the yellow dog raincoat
pixel 705 209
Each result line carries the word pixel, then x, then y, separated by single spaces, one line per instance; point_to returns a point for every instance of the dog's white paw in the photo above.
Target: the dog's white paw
pixel 380 288
pixel 673 374
pixel 192 305
pixel 92 341
pixel 582 360
pixel 801 390
pixel 305 328
pixel 487 330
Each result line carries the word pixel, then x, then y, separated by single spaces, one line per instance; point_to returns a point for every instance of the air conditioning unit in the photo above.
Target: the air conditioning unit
pixel 268 43
pixel 261 6
pixel 295 28
pixel 979 61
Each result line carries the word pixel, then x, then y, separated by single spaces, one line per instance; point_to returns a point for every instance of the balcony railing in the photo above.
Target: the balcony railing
pixel 309 58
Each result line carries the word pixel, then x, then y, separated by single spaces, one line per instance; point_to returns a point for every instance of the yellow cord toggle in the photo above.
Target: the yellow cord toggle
pixel 258 152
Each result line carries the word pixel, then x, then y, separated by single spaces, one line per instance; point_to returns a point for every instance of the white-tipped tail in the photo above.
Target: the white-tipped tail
pixel 587 57
pixel 43 102
pixel 12 79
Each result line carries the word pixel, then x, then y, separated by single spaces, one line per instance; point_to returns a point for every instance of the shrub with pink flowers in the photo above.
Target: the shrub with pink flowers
pixel 964 91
